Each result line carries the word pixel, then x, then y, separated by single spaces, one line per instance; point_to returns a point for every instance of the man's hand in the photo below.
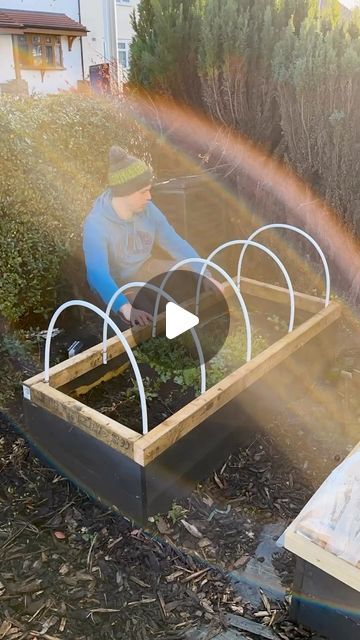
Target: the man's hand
pixel 135 316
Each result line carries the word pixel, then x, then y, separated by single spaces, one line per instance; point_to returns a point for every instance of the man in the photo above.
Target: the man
pixel 121 231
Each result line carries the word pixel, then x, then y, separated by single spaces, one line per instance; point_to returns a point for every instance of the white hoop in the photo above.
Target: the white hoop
pixel 124 342
pixel 279 225
pixel 229 280
pixel 272 255
pixel 169 299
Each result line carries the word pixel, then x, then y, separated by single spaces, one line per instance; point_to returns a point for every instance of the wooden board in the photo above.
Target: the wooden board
pixel 116 480
pixel 92 422
pixel 187 418
pixel 74 367
pixel 327 562
pixel 326 531
pixel 303 301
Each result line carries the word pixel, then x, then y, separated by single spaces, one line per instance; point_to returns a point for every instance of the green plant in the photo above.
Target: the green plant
pixel 180 364
pixel 176 513
pixel 17 354
pixel 278 323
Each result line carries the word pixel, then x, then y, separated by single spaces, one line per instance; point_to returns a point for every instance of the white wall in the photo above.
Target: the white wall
pixel 92 17
pixel 124 11
pixel 110 30
pixel 7 68
pixel 124 28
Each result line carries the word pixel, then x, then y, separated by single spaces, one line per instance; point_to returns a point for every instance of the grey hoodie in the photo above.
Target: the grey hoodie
pixel 116 249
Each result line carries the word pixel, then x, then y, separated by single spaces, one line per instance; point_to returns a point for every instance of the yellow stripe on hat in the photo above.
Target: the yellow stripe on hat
pixel 134 170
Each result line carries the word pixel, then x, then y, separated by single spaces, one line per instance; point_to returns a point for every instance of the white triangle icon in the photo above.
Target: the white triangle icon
pixel 178 320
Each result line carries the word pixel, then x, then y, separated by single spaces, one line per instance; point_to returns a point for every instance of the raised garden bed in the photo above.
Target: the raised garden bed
pixel 142 474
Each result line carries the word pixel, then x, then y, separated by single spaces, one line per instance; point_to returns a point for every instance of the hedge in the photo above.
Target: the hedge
pixel 53 160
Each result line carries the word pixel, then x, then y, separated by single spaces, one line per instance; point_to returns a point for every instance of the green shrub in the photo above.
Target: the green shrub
pixel 53 161
pixel 31 262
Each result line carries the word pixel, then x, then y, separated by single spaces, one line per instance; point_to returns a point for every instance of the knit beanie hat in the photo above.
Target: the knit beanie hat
pixel 126 173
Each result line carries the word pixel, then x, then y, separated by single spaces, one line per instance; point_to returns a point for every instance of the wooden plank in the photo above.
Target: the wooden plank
pixel 303 301
pixel 67 370
pixel 187 418
pixel 77 33
pixel 76 366
pixel 62 373
pixel 328 562
pixel 92 422
pixel 313 552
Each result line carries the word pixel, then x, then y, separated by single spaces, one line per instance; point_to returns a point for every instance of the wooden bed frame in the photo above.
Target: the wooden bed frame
pixel 150 468
pixel 326 592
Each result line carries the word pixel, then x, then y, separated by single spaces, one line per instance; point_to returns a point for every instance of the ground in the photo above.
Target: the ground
pixel 72 569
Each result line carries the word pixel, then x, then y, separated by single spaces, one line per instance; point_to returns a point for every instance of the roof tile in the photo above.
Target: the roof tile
pixel 38 19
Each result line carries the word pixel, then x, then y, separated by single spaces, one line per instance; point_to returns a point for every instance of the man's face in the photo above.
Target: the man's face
pixel 138 200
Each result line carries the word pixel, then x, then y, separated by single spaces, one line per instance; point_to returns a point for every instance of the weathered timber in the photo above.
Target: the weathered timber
pixel 103 428
pixel 187 418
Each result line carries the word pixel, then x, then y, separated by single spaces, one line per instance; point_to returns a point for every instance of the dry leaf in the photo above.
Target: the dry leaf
pixel 59 535
pixel 241 561
pixel 192 529
pixel 48 624
pixel 237 609
pixel 207 606
pixel 205 542
pixel 64 569
pixel 266 602
pixel 218 481
pixel 139 582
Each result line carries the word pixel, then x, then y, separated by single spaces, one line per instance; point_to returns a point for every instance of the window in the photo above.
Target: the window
pixel 124 53
pixel 40 51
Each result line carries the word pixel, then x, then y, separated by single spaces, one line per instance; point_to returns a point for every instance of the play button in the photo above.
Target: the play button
pixel 179 312
pixel 178 320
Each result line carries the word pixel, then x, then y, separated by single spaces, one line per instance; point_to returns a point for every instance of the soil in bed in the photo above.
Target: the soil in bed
pixel 171 373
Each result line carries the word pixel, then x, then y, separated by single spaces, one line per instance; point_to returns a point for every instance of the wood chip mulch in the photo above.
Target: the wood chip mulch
pixel 72 569
pixel 221 521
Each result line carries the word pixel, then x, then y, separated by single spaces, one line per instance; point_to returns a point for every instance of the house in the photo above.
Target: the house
pixel 40 51
pixel 124 9
pixel 52 48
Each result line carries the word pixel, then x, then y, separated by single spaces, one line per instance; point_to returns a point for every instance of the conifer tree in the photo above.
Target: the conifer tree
pixel 318 87
pixel 165 48
pixel 236 48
